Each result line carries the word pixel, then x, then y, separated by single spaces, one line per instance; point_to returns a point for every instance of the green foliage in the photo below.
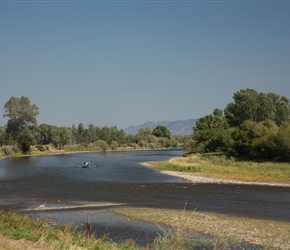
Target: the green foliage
pixel 114 145
pixel 161 131
pixel 283 142
pixel 7 151
pixel 22 130
pixel 18 227
pixel 101 145
pixel 255 140
pixel 210 140
pixel 255 127
pixel 2 136
pixel 250 105
pixel 21 114
pixel 21 121
pixel 26 139
pixel 144 132
pixel 210 122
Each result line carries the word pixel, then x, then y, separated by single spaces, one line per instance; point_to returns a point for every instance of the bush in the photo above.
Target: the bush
pixel 41 148
pixel 7 151
pixel 101 145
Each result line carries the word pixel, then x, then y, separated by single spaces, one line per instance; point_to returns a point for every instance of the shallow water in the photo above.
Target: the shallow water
pixel 118 178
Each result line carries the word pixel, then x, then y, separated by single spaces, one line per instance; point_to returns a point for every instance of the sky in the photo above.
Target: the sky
pixel 122 63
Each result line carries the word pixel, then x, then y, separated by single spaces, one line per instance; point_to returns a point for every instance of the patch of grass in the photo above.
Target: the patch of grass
pixel 221 167
pixel 225 230
pixel 39 234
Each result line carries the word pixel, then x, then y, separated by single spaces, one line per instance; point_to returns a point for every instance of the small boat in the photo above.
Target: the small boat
pixel 86 164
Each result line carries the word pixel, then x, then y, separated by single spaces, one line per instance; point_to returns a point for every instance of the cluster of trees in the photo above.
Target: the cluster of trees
pixel 22 131
pixel 254 126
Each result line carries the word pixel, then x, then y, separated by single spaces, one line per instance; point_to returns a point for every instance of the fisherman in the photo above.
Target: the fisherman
pixel 86 164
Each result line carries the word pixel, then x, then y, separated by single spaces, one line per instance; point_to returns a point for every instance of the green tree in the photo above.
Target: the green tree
pixel 161 131
pixel 101 145
pixel 45 136
pixel 244 108
pixel 54 136
pixel 114 145
pixel 210 122
pixel 81 132
pixel 253 106
pixel 210 140
pixel 22 121
pixel 144 132
pixel 75 134
pixel 283 142
pixel 105 134
pixel 2 136
pixel 21 114
pixel 282 108
pixel 26 139
pixel 65 136
pixel 91 133
pixel 255 140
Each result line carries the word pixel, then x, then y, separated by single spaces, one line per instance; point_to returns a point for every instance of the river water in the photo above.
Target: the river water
pixel 117 179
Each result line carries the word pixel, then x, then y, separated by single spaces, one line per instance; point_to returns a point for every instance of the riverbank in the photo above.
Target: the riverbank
pixel 194 178
pixel 215 169
pixel 183 213
pixel 9 152
pixel 226 232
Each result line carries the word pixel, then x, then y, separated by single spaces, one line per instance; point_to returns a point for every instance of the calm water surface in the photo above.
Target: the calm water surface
pixel 117 177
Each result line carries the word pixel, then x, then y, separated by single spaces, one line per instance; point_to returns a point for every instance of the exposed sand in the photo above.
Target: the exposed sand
pixel 201 179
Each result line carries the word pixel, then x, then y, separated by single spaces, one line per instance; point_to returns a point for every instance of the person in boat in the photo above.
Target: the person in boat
pixel 86 164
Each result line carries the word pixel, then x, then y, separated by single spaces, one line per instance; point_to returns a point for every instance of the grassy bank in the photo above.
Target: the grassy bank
pixel 23 232
pixel 268 234
pixel 220 167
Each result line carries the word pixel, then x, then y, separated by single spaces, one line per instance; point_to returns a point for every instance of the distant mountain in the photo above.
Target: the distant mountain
pixel 179 127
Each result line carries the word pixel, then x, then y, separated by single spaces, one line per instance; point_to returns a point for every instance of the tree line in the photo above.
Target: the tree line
pixel 22 131
pixel 255 126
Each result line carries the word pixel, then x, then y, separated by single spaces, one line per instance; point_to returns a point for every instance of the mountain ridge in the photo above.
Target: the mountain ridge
pixel 177 127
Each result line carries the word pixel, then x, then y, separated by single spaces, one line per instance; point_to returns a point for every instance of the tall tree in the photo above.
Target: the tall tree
pixel 244 108
pixel 81 130
pixel 257 107
pixel 282 108
pixel 210 122
pixel 21 115
pixel 161 131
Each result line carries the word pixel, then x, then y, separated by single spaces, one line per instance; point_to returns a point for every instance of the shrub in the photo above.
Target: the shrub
pixel 6 151
pixel 41 148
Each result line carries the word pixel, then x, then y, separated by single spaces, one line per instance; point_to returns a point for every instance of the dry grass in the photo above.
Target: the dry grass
pixel 266 233
pixel 222 168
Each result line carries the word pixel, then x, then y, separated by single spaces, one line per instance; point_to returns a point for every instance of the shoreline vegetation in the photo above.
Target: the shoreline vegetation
pixel 224 230
pixel 212 168
pixel 41 150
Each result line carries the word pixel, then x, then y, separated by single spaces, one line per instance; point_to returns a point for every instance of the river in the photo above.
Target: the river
pixel 117 179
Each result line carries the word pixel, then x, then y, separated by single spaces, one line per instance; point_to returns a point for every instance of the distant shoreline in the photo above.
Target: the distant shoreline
pixel 62 151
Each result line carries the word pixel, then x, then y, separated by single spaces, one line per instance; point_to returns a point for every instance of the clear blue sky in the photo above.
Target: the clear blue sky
pixel 122 63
